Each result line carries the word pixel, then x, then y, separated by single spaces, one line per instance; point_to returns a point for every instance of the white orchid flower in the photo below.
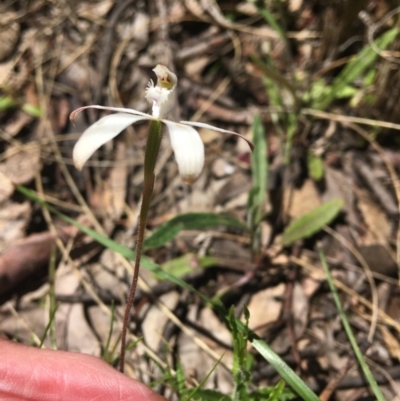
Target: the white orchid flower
pixel 185 141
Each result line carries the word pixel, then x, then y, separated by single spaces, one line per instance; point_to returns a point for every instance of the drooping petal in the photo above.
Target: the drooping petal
pixel 189 150
pixel 224 131
pixel 101 132
pixel 73 115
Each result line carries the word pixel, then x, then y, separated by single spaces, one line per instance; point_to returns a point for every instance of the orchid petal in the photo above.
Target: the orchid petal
pixel 224 131
pixel 73 115
pixel 188 148
pixel 101 132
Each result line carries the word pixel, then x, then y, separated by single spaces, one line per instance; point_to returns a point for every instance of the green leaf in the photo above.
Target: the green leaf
pixel 188 263
pixel 346 91
pixel 189 221
pixel 7 102
pixel 315 165
pixel 34 111
pixel 312 222
pixel 259 162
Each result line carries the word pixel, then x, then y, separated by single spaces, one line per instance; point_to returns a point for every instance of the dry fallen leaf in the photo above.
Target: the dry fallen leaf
pixel 21 164
pixel 155 320
pixel 94 11
pixel 300 306
pixel 299 201
pixel 6 187
pixel 26 257
pixel 9 34
pixel 14 218
pixel 197 361
pixel 379 227
pixel 115 190
pixel 265 308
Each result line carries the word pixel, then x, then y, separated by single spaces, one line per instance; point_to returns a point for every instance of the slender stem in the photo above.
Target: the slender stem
pixel 150 160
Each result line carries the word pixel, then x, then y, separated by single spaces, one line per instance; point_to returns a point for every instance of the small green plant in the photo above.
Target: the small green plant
pixel 319 94
pixel 8 102
pixel 241 373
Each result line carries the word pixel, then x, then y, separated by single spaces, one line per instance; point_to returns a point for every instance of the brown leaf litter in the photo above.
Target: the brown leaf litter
pixel 59 58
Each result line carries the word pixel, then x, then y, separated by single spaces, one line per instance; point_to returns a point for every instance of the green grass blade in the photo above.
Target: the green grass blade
pixel 270 19
pixel 284 370
pixel 49 324
pixel 189 221
pixel 258 194
pixel 201 394
pixel 346 325
pixel 312 222
pixel 259 163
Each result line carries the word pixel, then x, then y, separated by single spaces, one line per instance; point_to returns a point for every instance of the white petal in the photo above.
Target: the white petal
pixel 101 132
pixel 224 131
pixel 189 150
pixel 73 115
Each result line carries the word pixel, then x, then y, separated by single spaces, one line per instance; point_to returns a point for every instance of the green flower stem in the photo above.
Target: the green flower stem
pixel 150 160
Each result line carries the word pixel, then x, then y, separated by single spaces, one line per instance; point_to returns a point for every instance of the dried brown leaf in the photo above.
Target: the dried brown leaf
pixel 21 164
pixel 6 187
pixel 269 300
pixel 25 258
pixel 14 218
pixel 9 34
pixel 301 201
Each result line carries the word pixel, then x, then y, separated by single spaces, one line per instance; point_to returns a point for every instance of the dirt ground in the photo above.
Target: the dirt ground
pixel 56 56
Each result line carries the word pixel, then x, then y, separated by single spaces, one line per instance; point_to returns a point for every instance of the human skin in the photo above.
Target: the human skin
pixel 32 374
